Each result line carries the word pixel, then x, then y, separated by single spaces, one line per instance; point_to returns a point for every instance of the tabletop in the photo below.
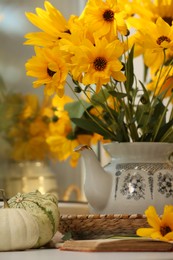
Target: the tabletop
pixel 56 254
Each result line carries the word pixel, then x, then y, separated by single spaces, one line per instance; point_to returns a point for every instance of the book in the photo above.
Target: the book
pixel 125 244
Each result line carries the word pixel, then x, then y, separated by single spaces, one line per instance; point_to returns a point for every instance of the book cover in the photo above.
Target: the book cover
pixel 132 244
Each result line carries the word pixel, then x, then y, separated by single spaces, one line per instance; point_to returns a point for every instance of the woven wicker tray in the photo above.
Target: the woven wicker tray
pixel 101 226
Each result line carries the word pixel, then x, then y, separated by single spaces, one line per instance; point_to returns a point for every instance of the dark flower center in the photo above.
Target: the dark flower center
pixel 165 230
pixel 55 118
pixel 67 31
pixel 168 20
pixel 108 15
pixel 50 72
pixel 100 63
pixel 162 39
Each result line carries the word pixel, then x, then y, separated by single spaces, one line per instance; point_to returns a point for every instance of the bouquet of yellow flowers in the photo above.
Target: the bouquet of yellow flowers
pixel 32 129
pixel 93 54
pixel 24 127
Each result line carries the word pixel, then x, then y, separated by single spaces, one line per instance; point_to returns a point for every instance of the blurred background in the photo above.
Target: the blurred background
pixel 13 56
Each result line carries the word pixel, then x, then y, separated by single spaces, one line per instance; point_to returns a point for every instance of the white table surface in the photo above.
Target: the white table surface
pixel 56 254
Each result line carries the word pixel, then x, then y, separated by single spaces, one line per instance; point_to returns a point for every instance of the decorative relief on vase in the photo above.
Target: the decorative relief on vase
pixel 137 176
pixel 165 184
pixel 133 187
pixel 117 176
pixel 151 183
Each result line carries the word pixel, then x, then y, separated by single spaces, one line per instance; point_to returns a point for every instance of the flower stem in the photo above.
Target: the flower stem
pixel 95 121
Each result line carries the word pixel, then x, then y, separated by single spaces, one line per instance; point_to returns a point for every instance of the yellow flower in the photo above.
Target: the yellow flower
pixel 28 126
pixel 154 25
pixel 49 68
pixel 37 128
pixel 35 148
pixel 105 18
pixel 161 227
pixel 59 103
pixel 151 10
pixel 97 63
pixel 79 33
pixel 155 39
pixel 61 137
pixel 96 52
pixel 51 22
pixel 62 148
pixel 30 106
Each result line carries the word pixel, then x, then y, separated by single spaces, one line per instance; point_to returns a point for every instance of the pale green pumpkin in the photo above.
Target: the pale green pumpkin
pixel 16 221
pixel 44 207
pixel 18 229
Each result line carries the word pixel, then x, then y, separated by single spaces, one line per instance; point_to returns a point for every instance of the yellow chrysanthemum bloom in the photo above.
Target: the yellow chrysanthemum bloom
pixel 61 146
pixel 51 22
pixel 31 106
pixel 79 33
pixel 147 10
pixel 161 227
pixel 35 148
pixel 28 140
pixel 61 137
pixel 46 111
pixel 49 67
pixel 59 103
pixel 152 10
pixel 96 64
pixel 28 126
pixel 105 17
pixel 155 39
pixel 37 128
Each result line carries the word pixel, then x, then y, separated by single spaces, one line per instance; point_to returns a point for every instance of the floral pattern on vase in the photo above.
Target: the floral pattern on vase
pixel 134 184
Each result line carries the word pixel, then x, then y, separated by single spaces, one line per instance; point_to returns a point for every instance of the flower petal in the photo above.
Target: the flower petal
pixel 152 218
pixel 144 232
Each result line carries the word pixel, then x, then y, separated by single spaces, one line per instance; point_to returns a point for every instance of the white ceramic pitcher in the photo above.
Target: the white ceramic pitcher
pixel 139 175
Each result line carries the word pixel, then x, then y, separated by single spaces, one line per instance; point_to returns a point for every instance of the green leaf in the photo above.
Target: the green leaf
pixel 77 108
pixel 146 94
pixel 158 112
pixel 145 72
pixel 163 131
pixel 96 126
pixel 100 98
pixel 118 95
pixel 141 115
pixel 129 72
pixel 67 236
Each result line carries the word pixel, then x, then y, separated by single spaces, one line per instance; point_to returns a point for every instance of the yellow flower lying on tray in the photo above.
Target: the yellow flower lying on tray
pixel 161 227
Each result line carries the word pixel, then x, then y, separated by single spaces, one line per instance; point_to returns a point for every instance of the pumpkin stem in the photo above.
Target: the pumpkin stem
pixel 2 192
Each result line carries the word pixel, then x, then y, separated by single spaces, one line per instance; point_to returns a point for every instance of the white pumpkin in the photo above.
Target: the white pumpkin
pixel 18 230
pixel 44 207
